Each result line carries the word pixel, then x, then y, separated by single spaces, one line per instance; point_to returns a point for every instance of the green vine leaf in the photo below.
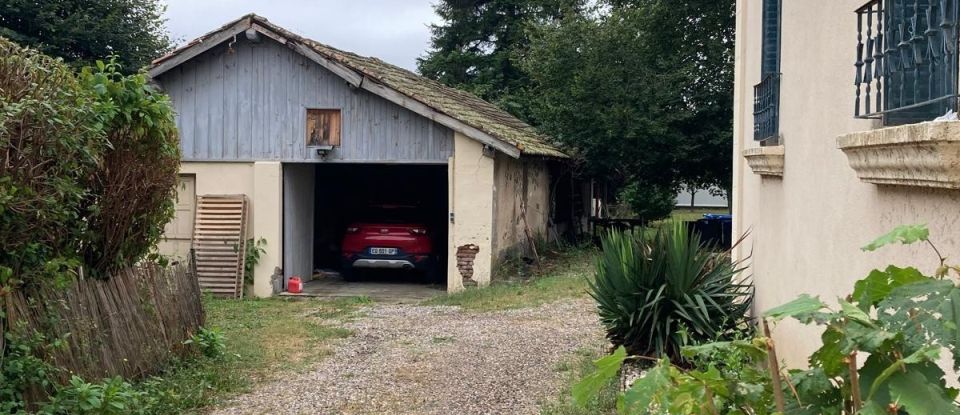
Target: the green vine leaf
pixel 875 287
pixel 607 368
pixel 851 312
pixel 801 308
pixel 904 234
pixel 644 390
pixel 873 408
pixel 925 312
pixel 929 353
pixel 830 355
pixel 730 347
pixel 919 395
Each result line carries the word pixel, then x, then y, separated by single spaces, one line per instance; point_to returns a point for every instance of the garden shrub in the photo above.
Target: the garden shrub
pixel 113 396
pixel 210 342
pixel 87 180
pixel 647 201
pixel 28 383
pixel 254 250
pixel 51 144
pixel 22 370
pixel 880 354
pixel 132 193
pixel 89 171
pixel 655 295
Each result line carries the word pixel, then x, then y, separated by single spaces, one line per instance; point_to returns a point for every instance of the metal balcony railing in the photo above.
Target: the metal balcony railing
pixel 906 68
pixel 766 108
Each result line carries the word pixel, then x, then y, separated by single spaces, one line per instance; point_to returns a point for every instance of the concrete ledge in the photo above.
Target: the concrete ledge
pixel 925 154
pixel 765 161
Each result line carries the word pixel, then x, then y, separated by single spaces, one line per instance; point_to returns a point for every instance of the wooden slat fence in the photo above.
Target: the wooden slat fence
pixel 130 325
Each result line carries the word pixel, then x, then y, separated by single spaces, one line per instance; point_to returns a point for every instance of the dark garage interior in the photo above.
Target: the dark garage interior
pixel 353 192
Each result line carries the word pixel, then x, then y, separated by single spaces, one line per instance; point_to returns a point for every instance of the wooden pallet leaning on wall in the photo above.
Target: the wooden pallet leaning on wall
pixel 219 243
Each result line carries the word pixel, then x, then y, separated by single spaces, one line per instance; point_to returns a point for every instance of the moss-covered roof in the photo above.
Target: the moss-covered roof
pixel 457 104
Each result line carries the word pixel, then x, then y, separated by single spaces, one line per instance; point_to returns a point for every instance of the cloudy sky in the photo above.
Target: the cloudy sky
pixel 393 30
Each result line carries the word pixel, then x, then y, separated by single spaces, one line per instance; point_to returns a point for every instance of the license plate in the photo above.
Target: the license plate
pixel 383 251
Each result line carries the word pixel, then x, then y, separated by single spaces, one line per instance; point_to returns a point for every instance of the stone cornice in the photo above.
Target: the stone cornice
pixel 925 154
pixel 765 161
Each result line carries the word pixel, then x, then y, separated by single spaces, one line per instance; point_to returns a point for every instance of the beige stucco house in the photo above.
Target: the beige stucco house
pixel 250 97
pixel 834 146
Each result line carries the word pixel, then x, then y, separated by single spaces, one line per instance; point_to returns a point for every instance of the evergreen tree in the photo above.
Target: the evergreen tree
pixel 477 46
pixel 82 31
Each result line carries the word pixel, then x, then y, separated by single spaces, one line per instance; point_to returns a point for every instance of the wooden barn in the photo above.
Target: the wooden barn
pixel 306 135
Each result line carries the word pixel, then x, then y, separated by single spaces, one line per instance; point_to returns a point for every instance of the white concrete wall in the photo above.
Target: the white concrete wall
pixel 471 199
pixel 805 230
pixel 267 222
pixel 261 183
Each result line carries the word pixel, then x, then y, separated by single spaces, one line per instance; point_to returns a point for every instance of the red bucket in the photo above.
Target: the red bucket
pixel 295 285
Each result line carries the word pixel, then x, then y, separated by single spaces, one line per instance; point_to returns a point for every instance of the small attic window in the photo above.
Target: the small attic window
pixel 323 127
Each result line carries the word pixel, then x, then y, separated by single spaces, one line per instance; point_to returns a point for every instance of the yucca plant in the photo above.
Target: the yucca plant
pixel 659 293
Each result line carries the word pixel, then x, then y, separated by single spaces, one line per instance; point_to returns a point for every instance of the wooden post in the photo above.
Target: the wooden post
pixel 854 381
pixel 774 368
pixel 529 234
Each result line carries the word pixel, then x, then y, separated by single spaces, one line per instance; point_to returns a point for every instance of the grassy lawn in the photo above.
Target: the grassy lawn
pixel 563 276
pixel 692 214
pixel 264 337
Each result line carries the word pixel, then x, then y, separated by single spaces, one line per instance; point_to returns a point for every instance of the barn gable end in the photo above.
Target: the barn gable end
pixel 246 101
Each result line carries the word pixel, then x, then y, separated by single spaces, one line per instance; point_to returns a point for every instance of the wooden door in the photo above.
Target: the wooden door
pixel 178 233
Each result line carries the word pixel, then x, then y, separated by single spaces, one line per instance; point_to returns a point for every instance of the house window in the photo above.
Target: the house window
pixel 906 67
pixel 766 94
pixel 323 127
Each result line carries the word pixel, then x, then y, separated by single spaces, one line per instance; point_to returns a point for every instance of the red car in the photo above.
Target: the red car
pixel 388 237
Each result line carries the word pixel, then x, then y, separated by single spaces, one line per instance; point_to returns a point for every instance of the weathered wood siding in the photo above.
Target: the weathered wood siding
pixel 248 102
pixel 298 220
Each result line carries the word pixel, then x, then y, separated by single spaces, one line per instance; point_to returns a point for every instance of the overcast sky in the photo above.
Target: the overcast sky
pixel 393 30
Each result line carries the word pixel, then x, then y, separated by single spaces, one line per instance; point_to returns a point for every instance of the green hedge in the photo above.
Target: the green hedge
pixel 88 167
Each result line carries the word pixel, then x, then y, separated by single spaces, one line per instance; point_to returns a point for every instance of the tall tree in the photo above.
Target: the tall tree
pixel 641 91
pixel 82 31
pixel 477 46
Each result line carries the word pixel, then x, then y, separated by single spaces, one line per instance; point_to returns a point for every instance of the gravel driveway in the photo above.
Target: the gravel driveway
pixel 407 359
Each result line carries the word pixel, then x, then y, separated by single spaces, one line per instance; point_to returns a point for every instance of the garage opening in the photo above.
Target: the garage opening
pixel 373 226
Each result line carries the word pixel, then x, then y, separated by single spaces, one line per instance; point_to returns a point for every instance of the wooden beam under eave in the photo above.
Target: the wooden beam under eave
pixel 351 76
pixel 195 50
pixel 268 33
pixel 423 110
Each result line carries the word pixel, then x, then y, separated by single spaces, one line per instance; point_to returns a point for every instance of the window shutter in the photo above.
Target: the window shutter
pixel 771 37
pixel 323 127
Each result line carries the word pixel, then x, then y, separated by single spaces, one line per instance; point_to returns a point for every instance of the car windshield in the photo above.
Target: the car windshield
pixel 390 214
